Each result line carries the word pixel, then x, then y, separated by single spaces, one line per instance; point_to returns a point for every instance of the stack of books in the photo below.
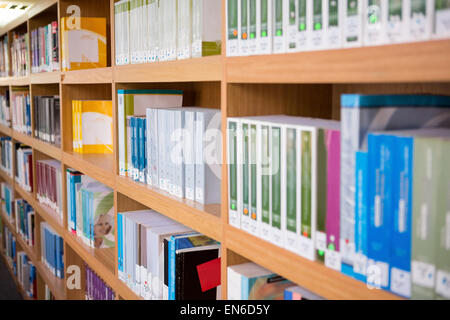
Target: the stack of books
pixel 95 287
pixel 83 43
pixel 52 250
pixel 90 210
pixel 21 110
pixel 283 175
pixel 6 161
pixel 158 257
pixel 150 30
pixel 47 121
pixel 26 275
pixel 49 185
pixel 92 126
pixel 44 48
pixel 24 167
pixel 5 111
pixel 19 54
pixel 4 56
pixel 25 221
pixel 279 26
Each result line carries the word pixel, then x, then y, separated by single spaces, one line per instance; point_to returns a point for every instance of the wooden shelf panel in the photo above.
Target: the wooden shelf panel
pixel 5 130
pixel 7 178
pixel 45 77
pixel 189 70
pixel 97 166
pixel 5 81
pixel 411 62
pixel 311 275
pixel 19 81
pixel 49 149
pixel 22 138
pixel 99 75
pixel 202 218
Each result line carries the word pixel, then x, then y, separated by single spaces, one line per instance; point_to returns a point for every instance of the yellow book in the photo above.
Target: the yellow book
pixel 84 43
pixel 79 133
pixel 96 127
pixel 74 125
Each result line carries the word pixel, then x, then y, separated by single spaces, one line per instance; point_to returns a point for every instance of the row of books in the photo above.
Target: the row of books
pixel 45 48
pixel 7 199
pixel 49 185
pixel 26 275
pixel 148 31
pixel 283 175
pixel 19 54
pixel 90 210
pixel 95 287
pixel 52 250
pixel 24 167
pixel 6 153
pixel 4 56
pixel 21 110
pixel 366 215
pixel 174 148
pixel 279 26
pixel 249 281
pixel 83 43
pixel 92 126
pixel 5 115
pixel 47 121
pixel 159 258
pixel 25 221
pixel 10 249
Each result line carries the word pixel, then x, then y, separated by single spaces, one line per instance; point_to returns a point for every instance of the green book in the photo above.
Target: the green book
pixel 442 287
pixel 427 159
pixel 276 185
pixel 321 195
pixel 265 182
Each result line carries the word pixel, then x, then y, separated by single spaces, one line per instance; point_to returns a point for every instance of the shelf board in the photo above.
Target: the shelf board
pixel 189 70
pixel 87 76
pixel 22 138
pixel 5 81
pixel 97 166
pixel 202 218
pixel 49 149
pixel 410 62
pixel 45 77
pixel 313 276
pixel 5 130
pixel 19 81
pixel 7 178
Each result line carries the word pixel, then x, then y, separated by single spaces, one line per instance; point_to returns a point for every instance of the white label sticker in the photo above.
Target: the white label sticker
pixel 321 241
pixel 401 282
pixel 307 248
pixel 423 274
pixel 333 260
pixel 443 284
pixel 360 264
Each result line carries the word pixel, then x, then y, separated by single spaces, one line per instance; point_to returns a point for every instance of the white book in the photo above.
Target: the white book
pixel 153 30
pixel 252 27
pixel 441 20
pixel 375 22
pixel 232 27
pixel 317 16
pixel 243 27
pixel 206 27
pixel 353 23
pixel 188 154
pixel 334 9
pixel 171 24
pixel 161 149
pixel 420 19
pixel 234 177
pixel 244 168
pixel 208 156
pixel 118 7
pixel 397 21
pixel 291 25
pixel 304 27
pixel 184 29
pixel 278 23
pixel 264 26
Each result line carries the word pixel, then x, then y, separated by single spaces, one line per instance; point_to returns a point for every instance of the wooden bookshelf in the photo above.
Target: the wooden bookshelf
pixel 304 83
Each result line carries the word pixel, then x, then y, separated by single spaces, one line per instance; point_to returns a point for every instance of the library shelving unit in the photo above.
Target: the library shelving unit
pixel 303 84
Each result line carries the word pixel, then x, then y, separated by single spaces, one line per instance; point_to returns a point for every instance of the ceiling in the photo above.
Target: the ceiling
pixel 10 10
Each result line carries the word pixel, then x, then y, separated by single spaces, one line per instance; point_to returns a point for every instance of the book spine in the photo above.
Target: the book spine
pixel 253 180
pixel 245 169
pixel 233 211
pixel 266 173
pixel 199 160
pixel 321 235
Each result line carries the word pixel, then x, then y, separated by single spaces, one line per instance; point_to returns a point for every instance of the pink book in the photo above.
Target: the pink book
pixel 333 144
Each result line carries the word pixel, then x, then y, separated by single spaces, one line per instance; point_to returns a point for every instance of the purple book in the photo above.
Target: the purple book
pixel 333 144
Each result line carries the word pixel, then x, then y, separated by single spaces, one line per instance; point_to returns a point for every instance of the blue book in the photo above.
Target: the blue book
pixel 402 219
pixel 84 208
pixel 56 241
pixel 380 166
pixel 134 146
pixel 144 147
pixel 69 200
pixel 141 148
pixel 61 254
pixel 119 242
pixel 91 219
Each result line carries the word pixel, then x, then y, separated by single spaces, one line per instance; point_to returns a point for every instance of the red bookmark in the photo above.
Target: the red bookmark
pixel 209 274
